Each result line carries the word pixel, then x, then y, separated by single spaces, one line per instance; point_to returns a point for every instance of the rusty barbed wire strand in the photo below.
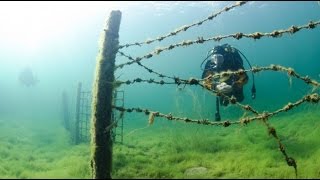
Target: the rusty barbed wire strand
pixel 223 74
pixel 145 67
pixel 290 160
pixel 257 69
pixel 193 81
pixel 256 35
pixel 290 72
pixel 314 98
pixel 311 98
pixel 170 117
pixel 185 27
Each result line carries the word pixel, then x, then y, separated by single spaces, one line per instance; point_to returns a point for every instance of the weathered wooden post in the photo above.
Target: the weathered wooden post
pixel 65 111
pixel 77 128
pixel 101 140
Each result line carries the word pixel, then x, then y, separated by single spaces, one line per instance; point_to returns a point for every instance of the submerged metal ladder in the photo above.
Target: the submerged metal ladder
pixel 117 131
pixel 85 114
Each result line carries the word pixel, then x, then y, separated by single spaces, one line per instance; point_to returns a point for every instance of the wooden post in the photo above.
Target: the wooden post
pixel 101 141
pixel 65 111
pixel 77 135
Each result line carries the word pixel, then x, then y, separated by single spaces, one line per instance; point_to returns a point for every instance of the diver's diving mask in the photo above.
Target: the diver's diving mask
pixel 217 59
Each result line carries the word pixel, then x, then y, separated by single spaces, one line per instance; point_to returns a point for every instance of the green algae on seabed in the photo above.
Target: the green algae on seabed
pixel 160 151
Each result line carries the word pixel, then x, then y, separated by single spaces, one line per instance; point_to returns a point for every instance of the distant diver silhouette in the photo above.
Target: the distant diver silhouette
pixel 27 77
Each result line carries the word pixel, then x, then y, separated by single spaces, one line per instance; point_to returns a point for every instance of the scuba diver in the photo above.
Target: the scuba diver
pixel 225 58
pixel 27 77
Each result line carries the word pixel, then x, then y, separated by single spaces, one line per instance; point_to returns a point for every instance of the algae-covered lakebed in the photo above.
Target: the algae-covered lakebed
pixel 208 89
pixel 166 150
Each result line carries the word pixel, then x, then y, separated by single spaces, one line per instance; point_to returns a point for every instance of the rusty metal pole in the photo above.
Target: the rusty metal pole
pixel 101 141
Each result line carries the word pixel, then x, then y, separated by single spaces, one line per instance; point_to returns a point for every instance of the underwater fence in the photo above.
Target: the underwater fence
pixel 83 113
pixel 104 94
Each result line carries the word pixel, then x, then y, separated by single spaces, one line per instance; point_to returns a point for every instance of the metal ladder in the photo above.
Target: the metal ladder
pixel 118 100
pixel 85 113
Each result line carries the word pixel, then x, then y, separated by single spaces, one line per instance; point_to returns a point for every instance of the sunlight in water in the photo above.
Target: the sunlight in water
pixel 27 28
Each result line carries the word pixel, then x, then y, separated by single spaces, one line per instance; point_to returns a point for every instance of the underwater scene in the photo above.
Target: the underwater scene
pixel 179 89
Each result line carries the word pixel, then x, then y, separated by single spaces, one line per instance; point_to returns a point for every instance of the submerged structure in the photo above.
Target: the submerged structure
pixel 104 87
pixel 101 123
pixel 27 77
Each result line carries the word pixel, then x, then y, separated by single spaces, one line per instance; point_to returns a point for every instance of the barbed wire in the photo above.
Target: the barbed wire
pixel 145 67
pixel 223 74
pixel 290 160
pixel 200 40
pixel 193 81
pixel 311 98
pixel 264 116
pixel 185 27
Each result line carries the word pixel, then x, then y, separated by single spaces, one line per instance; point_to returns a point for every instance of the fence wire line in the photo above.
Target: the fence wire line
pixel 194 81
pixel 201 40
pixel 311 98
pixel 264 116
pixel 185 27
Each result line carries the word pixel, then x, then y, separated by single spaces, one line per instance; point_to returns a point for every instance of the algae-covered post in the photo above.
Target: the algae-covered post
pixel 101 141
pixel 77 128
pixel 65 111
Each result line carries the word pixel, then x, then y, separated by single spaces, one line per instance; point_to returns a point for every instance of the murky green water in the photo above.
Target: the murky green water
pixel 59 43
